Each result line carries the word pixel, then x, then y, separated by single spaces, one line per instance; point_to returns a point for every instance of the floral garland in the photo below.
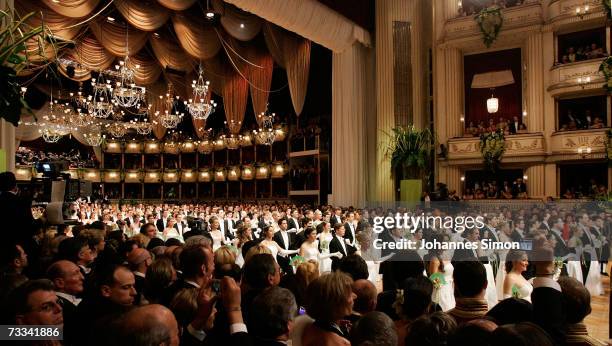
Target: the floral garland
pixel 492 148
pixel 490 22
pixel 609 147
pixel 607 8
pixel 606 68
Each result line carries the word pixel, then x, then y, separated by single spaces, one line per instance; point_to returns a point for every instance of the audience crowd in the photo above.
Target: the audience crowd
pixel 28 157
pixel 273 274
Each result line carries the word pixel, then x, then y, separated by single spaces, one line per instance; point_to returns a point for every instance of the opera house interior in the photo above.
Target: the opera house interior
pixel 208 172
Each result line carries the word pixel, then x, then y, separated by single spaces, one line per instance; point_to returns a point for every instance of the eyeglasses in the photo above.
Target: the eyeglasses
pixel 49 307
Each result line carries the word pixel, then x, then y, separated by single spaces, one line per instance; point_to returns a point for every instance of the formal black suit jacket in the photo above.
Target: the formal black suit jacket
pixel 69 311
pixel 462 254
pixel 18 222
pixel 160 225
pixel 335 246
pixel 514 127
pixel 139 286
pixel 293 224
pixel 228 233
pixel 283 261
pixel 348 234
pixel 173 289
pixel 548 312
pixel 561 248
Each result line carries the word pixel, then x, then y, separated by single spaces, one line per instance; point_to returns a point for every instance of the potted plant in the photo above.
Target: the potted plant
pixel 492 148
pixel 410 151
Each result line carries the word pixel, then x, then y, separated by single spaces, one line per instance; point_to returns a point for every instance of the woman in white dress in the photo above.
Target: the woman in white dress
pixel 215 233
pixel 574 267
pixel 515 285
pixel 504 236
pixel 243 235
pixel 325 237
pixel 310 248
pixel 170 231
pixel 436 261
pixel 276 249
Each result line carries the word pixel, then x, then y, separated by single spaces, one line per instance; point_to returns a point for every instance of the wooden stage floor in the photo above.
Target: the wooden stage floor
pixel 598 322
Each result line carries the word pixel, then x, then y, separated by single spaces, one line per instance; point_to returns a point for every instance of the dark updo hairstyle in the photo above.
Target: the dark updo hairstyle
pixel 513 256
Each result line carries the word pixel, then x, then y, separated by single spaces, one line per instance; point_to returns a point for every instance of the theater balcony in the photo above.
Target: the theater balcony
pixel 575 77
pixel 577 145
pixel 569 14
pixel 528 147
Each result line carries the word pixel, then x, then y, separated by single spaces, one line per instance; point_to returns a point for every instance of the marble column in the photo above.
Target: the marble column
pixel 534 89
pixel 536 180
pixel 550 187
pixel 8 145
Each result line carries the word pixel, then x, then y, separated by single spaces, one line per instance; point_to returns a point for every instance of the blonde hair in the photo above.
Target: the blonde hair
pixel 256 250
pixel 327 296
pixel 307 272
pixel 224 255
pixel 141 239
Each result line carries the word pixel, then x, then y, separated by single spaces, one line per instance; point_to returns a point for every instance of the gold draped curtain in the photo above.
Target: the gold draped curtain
pixel 145 15
pixel 169 54
pixel 293 53
pixel 157 105
pixel 240 24
pixel 148 71
pixel 71 8
pixel 197 39
pixel 90 55
pixel 113 37
pixel 177 5
pixel 259 73
pixel 235 94
pixel 58 24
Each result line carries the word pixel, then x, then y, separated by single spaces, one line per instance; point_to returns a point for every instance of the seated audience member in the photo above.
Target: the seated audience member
pixel 474 332
pixel 139 260
pixel 260 272
pixel 145 326
pixel 329 300
pixel 355 266
pixel 35 303
pixel 198 268
pixel 68 281
pixel 8 282
pixel 521 334
pixel 111 295
pixel 414 303
pixel 374 328
pixel 511 310
pixel 470 279
pixel 305 273
pixel 577 306
pixel 77 250
pixel 365 299
pixel 159 276
pixel 14 259
pixel 434 329
pixel 271 317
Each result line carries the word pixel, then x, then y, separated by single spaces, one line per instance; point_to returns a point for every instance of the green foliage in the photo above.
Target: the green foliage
pixel 492 148
pixel 15 36
pixel 490 22
pixel 609 147
pixel 411 149
pixel 607 8
pixel 606 68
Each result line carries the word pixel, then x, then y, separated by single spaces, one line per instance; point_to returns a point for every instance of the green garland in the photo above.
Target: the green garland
pixel 492 148
pixel 606 68
pixel 489 21
pixel 609 147
pixel 607 8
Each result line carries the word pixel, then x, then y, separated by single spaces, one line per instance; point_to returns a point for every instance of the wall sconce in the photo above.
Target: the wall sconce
pixel 171 175
pixel 584 81
pixel 263 170
pixel 524 113
pixel 462 178
pixel 581 11
pixel 133 146
pixel 525 177
pixel 188 174
pixel 132 175
pixel 462 118
pixel 584 152
pixel 152 175
pixel 113 145
pixel 91 174
pixel 112 175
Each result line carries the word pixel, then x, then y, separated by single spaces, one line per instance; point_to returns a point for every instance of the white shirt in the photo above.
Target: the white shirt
pixel 69 297
pixel 341 240
pixel 285 239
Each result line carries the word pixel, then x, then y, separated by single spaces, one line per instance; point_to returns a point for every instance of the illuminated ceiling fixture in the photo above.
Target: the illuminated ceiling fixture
pixel 117 129
pixel 231 141
pixel 168 117
pixel 127 94
pixel 585 151
pixel 79 99
pixel 492 103
pixel 142 127
pixel 200 106
pixel 210 14
pixel 266 134
pixel 55 122
pixel 101 105
pixel 93 135
pixel 80 119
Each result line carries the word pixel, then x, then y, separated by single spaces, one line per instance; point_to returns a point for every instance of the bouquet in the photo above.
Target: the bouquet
pixel 437 279
pixel 297 260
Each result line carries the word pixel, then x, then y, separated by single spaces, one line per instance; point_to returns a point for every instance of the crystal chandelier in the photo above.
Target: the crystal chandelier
pixel 79 99
pixel 117 129
pixel 266 134
pixel 231 141
pixel 93 135
pixel 142 127
pixel 492 103
pixel 79 119
pixel 101 105
pixel 126 93
pixel 170 120
pixel 200 106
pixel 51 135
pixel 55 123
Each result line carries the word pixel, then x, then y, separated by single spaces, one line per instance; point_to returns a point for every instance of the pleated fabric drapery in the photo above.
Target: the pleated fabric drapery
pixel 309 19
pixel 113 37
pixel 148 71
pixel 235 94
pixel 59 25
pixel 169 54
pixel 147 15
pixel 259 74
pixel 293 53
pixel 177 5
pixel 72 8
pixel 241 25
pixel 197 39
pixel 90 55
pixel 157 106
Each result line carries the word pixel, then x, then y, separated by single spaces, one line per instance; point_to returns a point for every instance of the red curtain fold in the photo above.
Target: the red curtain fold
pixel 235 94
pixel 510 96
pixel 259 74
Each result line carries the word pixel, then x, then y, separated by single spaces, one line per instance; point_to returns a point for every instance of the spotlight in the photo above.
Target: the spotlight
pixel 210 14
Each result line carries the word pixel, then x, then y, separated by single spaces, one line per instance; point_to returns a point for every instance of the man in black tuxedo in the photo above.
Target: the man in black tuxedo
pixel 469 254
pixel 162 222
pixel 271 317
pixel 197 266
pixel 68 282
pixel 229 226
pixel 561 249
pixel 519 189
pixel 349 228
pixel 514 125
pixel 285 240
pixel 293 221
pixel 518 234
pixel 15 212
pixel 336 218
pixel 338 244
pixel 139 260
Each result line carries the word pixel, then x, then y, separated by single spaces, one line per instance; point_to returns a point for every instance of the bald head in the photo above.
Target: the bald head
pixel 366 296
pixel 139 259
pixel 66 277
pixel 149 325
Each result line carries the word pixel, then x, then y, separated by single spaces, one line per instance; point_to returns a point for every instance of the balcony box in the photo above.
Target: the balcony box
pixel 205 146
pixel 204 175
pixel 171 148
pixel 91 174
pixel 112 146
pixel 112 176
pixel 152 176
pixel 171 176
pixel 152 147
pixel 133 147
pixel 220 174
pixel 573 145
pixel 248 172
pixel 188 147
pixel 133 176
pixel 218 144
pixel 262 171
pixel 575 77
pixel 74 173
pixel 23 173
pixel 233 173
pixel 527 147
pixel 188 176
pixel 279 169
